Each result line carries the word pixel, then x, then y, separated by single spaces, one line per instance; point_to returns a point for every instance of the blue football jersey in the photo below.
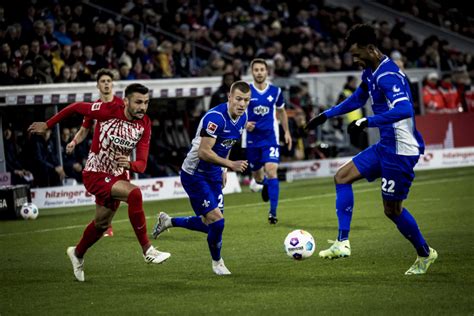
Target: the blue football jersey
pixel 388 86
pixel 216 123
pixel 392 104
pixel 262 110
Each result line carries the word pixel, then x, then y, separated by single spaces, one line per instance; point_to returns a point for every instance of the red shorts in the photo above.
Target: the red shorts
pixel 100 185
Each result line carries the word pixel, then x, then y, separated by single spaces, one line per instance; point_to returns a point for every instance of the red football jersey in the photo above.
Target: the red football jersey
pixel 88 122
pixel 114 135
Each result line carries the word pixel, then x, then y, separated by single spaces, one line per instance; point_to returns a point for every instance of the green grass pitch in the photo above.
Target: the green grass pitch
pixel 36 275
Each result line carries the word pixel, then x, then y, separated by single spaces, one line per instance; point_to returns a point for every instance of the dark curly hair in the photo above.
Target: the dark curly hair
pixel 362 35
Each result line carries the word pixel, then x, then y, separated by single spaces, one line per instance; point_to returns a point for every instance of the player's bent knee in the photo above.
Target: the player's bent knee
pixel 214 216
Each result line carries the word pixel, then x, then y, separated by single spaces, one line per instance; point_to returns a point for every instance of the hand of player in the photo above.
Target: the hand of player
pixel 250 126
pixel 38 128
pixel 70 147
pixel 357 126
pixel 288 140
pixel 316 121
pixel 123 161
pixel 239 165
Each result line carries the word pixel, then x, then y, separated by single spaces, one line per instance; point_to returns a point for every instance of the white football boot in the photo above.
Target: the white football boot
pixel 77 264
pixel 254 186
pixel 152 255
pixel 219 267
pixel 338 249
pixel 422 264
pixel 162 224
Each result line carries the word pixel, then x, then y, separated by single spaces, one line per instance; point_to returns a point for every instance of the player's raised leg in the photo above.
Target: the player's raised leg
pixel 343 179
pixel 164 222
pixel 125 191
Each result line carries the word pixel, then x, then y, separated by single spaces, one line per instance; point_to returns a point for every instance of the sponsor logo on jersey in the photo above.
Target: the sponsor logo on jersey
pixel 119 141
pixel 211 128
pixel 261 110
pixel 96 106
pixel 228 143
pixel 395 89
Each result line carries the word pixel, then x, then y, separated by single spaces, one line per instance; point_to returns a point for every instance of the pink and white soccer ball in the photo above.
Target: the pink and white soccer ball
pixel 29 211
pixel 299 244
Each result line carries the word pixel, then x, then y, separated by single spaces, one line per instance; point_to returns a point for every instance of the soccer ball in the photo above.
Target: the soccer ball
pixel 254 186
pixel 29 211
pixel 299 244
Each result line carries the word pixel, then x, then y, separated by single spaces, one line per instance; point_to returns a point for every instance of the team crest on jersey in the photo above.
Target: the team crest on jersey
pixel 211 128
pixel 228 143
pixel 270 98
pixel 96 106
pixel 261 110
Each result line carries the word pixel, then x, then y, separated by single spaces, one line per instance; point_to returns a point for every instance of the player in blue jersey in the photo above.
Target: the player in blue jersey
pixel 392 159
pixel 263 137
pixel 204 171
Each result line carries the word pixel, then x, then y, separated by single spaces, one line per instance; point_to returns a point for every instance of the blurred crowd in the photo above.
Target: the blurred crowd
pixel 452 16
pixel 68 41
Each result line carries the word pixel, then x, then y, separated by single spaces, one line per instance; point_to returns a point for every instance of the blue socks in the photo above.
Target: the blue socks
pixel 273 192
pixel 344 206
pixel 213 231
pixel 190 222
pixel 407 225
pixel 214 239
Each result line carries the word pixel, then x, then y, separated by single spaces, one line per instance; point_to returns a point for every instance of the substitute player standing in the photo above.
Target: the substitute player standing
pixel 263 137
pixel 392 159
pixel 105 84
pixel 121 128
pixel 204 171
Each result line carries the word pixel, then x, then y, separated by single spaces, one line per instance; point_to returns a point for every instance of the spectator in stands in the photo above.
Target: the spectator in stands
pixel 27 74
pixel 64 74
pixel 452 99
pixel 43 70
pixel 46 168
pixel 222 93
pixel 5 79
pixel 432 97
pixel 165 59
pixel 19 175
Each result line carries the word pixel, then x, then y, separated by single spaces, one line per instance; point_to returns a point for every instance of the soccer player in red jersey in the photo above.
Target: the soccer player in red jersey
pixel 121 128
pixel 105 79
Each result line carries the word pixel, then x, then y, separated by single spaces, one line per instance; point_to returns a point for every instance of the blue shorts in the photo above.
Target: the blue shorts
pixel 259 156
pixel 396 171
pixel 204 194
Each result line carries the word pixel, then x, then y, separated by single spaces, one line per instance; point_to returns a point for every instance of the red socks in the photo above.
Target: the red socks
pixel 137 217
pixel 89 237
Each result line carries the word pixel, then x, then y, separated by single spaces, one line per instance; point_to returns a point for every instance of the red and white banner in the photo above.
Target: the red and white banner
pixel 432 159
pixel 152 190
pixel 446 130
